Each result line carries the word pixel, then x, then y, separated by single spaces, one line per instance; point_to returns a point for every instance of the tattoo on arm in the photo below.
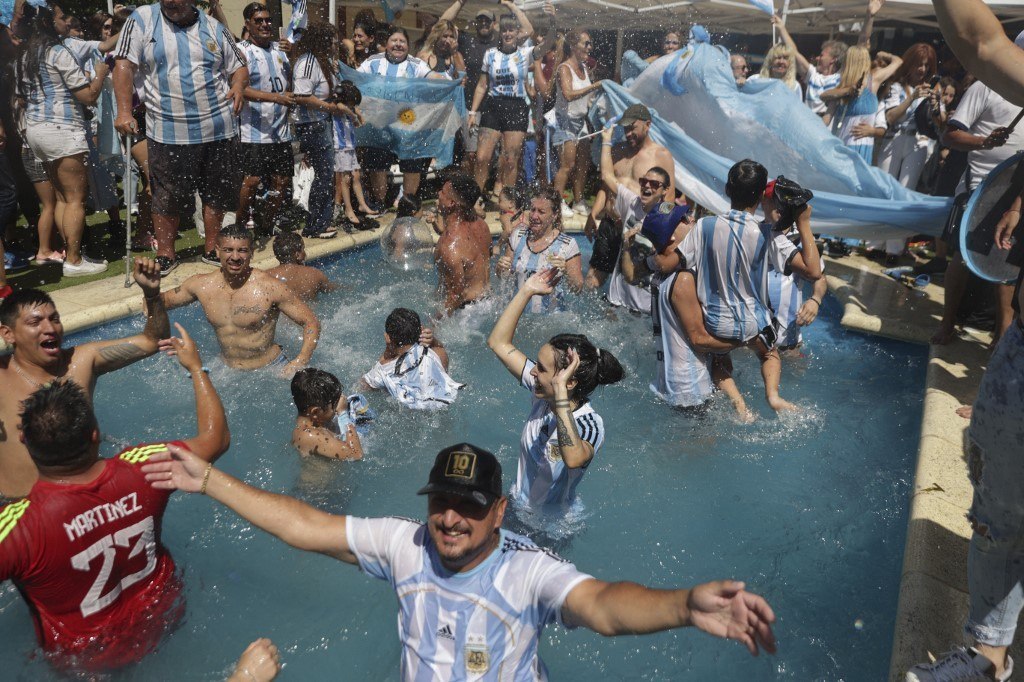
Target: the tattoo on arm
pixel 121 354
pixel 566 434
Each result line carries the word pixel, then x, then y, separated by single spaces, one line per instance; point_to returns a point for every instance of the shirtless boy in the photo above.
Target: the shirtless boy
pixel 243 304
pixel 30 323
pixel 463 254
pixel 631 161
pixel 304 280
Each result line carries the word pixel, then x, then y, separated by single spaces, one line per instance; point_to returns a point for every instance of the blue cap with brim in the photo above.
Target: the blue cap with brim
pixel 661 223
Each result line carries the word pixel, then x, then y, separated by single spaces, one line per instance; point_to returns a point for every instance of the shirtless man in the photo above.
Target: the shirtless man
pixel 243 305
pixel 30 323
pixel 463 254
pixel 631 161
pixel 305 280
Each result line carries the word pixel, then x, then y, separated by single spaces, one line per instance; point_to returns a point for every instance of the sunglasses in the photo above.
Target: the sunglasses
pixel 268 20
pixel 108 27
pixel 653 184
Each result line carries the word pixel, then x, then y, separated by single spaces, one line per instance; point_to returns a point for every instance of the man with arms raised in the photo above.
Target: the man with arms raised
pixel 31 325
pixel 84 546
pixel 243 305
pixel 630 160
pixel 463 254
pixel 461 574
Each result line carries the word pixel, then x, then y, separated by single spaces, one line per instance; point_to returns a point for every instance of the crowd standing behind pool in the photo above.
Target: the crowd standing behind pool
pixel 210 123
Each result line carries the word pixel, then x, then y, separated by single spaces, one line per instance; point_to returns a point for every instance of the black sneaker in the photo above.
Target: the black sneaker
pixel 166 264
pixel 210 258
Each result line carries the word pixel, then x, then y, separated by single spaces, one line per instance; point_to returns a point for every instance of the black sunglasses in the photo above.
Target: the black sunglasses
pixel 108 27
pixel 267 20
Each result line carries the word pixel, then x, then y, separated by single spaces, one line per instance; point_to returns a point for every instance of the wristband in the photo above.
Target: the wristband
pixel 202 369
pixel 206 478
pixel 815 300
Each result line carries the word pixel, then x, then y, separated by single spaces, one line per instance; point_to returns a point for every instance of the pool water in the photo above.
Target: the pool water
pixel 810 510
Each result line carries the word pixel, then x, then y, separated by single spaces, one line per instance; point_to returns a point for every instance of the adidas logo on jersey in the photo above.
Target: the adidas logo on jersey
pixel 446 633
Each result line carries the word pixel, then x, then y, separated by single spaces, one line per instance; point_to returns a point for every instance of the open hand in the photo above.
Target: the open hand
pixel 562 376
pixel 875 6
pixel 147 276
pixel 184 348
pixel 543 282
pixel 175 469
pixel 724 609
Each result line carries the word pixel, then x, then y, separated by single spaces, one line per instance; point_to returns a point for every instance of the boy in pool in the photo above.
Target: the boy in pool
pixel 327 420
pixel 305 280
pixel 414 365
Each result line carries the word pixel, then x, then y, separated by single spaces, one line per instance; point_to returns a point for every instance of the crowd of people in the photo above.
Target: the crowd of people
pixel 216 123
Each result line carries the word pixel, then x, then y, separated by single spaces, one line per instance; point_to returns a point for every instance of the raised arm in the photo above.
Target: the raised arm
pixel 611 183
pixel 501 339
pixel 453 11
pixel 882 74
pixel 575 451
pixel 807 261
pixel 181 295
pixel 212 438
pixel 296 523
pixel 723 609
pixel 525 27
pixel 874 6
pixel 802 65
pixel 548 42
pixel 428 340
pixel 979 41
pixel 302 315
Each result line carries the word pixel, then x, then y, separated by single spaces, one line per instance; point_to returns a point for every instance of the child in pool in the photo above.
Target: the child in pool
pixel 414 365
pixel 327 420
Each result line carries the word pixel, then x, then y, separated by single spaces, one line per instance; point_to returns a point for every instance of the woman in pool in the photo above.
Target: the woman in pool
pixel 540 245
pixel 563 432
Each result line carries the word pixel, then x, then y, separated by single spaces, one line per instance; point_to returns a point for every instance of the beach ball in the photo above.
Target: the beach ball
pixel 408 245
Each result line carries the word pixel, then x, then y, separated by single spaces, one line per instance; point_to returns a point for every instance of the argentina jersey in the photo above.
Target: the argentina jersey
pixel 543 479
pixel 269 71
pixel 525 262
pixel 507 71
pixel 786 295
pixel 344 133
pixel 729 256
pixel 185 72
pixel 483 624
pixel 49 93
pixel 380 65
pixel 683 376
pixel 310 80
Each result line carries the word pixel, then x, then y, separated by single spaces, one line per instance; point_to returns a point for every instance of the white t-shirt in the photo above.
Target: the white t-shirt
pixel 310 81
pixel 631 211
pixel 525 263
pixel 684 375
pixel 817 84
pixel 981 110
pixel 416 379
pixel 484 624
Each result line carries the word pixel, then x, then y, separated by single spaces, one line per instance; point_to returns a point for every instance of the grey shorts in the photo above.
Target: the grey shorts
pixel 34 168
pixel 178 171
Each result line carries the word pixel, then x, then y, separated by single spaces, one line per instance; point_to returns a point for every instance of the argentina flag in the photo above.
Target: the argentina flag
pixel 415 118
pixel 297 24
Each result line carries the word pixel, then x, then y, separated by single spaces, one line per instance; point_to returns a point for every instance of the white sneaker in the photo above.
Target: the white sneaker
pixel 581 208
pixel 88 266
pixel 959 665
pixel 567 212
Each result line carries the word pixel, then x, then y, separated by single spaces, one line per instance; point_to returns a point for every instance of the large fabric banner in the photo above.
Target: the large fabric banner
pixel 416 118
pixel 298 21
pixel 708 123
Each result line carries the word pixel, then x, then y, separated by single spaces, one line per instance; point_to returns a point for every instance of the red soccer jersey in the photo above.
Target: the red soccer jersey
pixel 89 562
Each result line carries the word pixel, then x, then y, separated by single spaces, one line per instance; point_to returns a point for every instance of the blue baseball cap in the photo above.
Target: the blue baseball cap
pixel 661 223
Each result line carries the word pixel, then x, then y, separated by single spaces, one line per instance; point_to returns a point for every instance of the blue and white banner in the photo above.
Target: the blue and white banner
pixel 764 5
pixel 415 118
pixel 297 24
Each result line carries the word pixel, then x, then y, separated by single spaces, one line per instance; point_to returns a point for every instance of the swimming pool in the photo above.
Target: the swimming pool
pixel 810 510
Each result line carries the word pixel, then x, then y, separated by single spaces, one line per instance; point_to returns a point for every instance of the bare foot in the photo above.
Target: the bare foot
pixel 965 411
pixel 944 334
pixel 745 416
pixel 352 218
pixel 778 404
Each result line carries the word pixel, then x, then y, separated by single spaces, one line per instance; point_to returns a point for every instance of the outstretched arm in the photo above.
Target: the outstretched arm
pixel 548 42
pixel 874 6
pixel 212 438
pixel 453 11
pixel 802 65
pixel 611 183
pixel 722 608
pixel 525 27
pixel 979 41
pixel 501 339
pixel 302 315
pixel 296 523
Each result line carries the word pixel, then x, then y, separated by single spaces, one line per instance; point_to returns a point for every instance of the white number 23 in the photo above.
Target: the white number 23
pixel 107 546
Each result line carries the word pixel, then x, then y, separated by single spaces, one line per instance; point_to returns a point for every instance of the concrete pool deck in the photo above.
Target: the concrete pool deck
pixel 933 581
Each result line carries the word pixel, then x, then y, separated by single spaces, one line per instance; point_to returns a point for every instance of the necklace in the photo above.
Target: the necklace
pixel 32 382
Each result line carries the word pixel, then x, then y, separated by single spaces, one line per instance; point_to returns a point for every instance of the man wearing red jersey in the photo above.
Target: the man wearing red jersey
pixel 84 546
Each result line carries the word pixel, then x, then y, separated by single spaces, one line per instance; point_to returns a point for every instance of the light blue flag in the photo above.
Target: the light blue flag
pixel 391 8
pixel 297 24
pixel 763 5
pixel 6 12
pixel 416 118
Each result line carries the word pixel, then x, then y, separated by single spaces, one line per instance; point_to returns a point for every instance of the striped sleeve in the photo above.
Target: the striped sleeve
pixel 234 58
pixel 129 45
pixel 304 85
pixel 591 428
pixel 569 248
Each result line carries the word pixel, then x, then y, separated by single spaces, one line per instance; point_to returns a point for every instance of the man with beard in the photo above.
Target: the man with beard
pixel 30 323
pixel 474 598
pixel 243 304
pixel 630 160
pixel 463 253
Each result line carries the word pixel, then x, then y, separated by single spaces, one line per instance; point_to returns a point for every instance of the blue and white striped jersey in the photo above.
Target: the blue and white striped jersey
pixel 543 479
pixel 85 52
pixel 344 133
pixel 269 71
pixel 416 378
pixel 507 72
pixel 484 624
pixel 786 294
pixel 310 80
pixel 730 256
pixel 683 376
pixel 817 84
pixel 525 262
pixel 49 98
pixel 410 67
pixel 630 209
pixel 185 72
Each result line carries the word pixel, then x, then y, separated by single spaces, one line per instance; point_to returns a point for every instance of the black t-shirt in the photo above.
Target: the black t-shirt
pixel 473 50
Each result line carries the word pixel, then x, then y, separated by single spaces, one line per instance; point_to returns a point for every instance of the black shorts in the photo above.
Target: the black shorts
pixel 951 230
pixel 607 245
pixel 377 159
pixel 178 171
pixel 262 160
pixel 506 114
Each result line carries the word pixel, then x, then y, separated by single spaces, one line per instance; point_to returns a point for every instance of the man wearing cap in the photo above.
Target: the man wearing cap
pixel 473 598
pixel 631 160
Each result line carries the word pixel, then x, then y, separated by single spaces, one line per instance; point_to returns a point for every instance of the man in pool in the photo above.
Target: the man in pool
pixel 306 281
pixel 31 326
pixel 83 547
pixel 461 574
pixel 463 253
pixel 243 305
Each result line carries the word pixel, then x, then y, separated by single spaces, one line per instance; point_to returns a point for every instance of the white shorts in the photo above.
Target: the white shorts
pixel 52 141
pixel 345 161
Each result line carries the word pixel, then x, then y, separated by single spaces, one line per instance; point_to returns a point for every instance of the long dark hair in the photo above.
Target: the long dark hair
pixel 41 35
pixel 95 26
pixel 597 367
pixel 318 40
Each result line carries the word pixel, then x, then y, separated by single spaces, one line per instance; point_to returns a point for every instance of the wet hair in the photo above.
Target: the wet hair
pixel 286 245
pixel 779 50
pixel 312 387
pixel 348 94
pixel 39 34
pixel 252 8
pixel 517 198
pixel 838 49
pixel 235 231
pixel 408 206
pixel 403 326
pixel 318 40
pixel 554 197
pixel 661 173
pixel 11 306
pixel 465 189
pixel 57 422
pixel 746 183
pixel 597 366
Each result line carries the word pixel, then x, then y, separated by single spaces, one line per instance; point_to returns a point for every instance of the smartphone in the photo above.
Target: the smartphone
pixel 935 80
pixel 280 32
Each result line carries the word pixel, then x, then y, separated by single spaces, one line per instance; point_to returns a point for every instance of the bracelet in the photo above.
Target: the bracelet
pixel 607 144
pixel 562 403
pixel 201 369
pixel 206 478
pixel 815 300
